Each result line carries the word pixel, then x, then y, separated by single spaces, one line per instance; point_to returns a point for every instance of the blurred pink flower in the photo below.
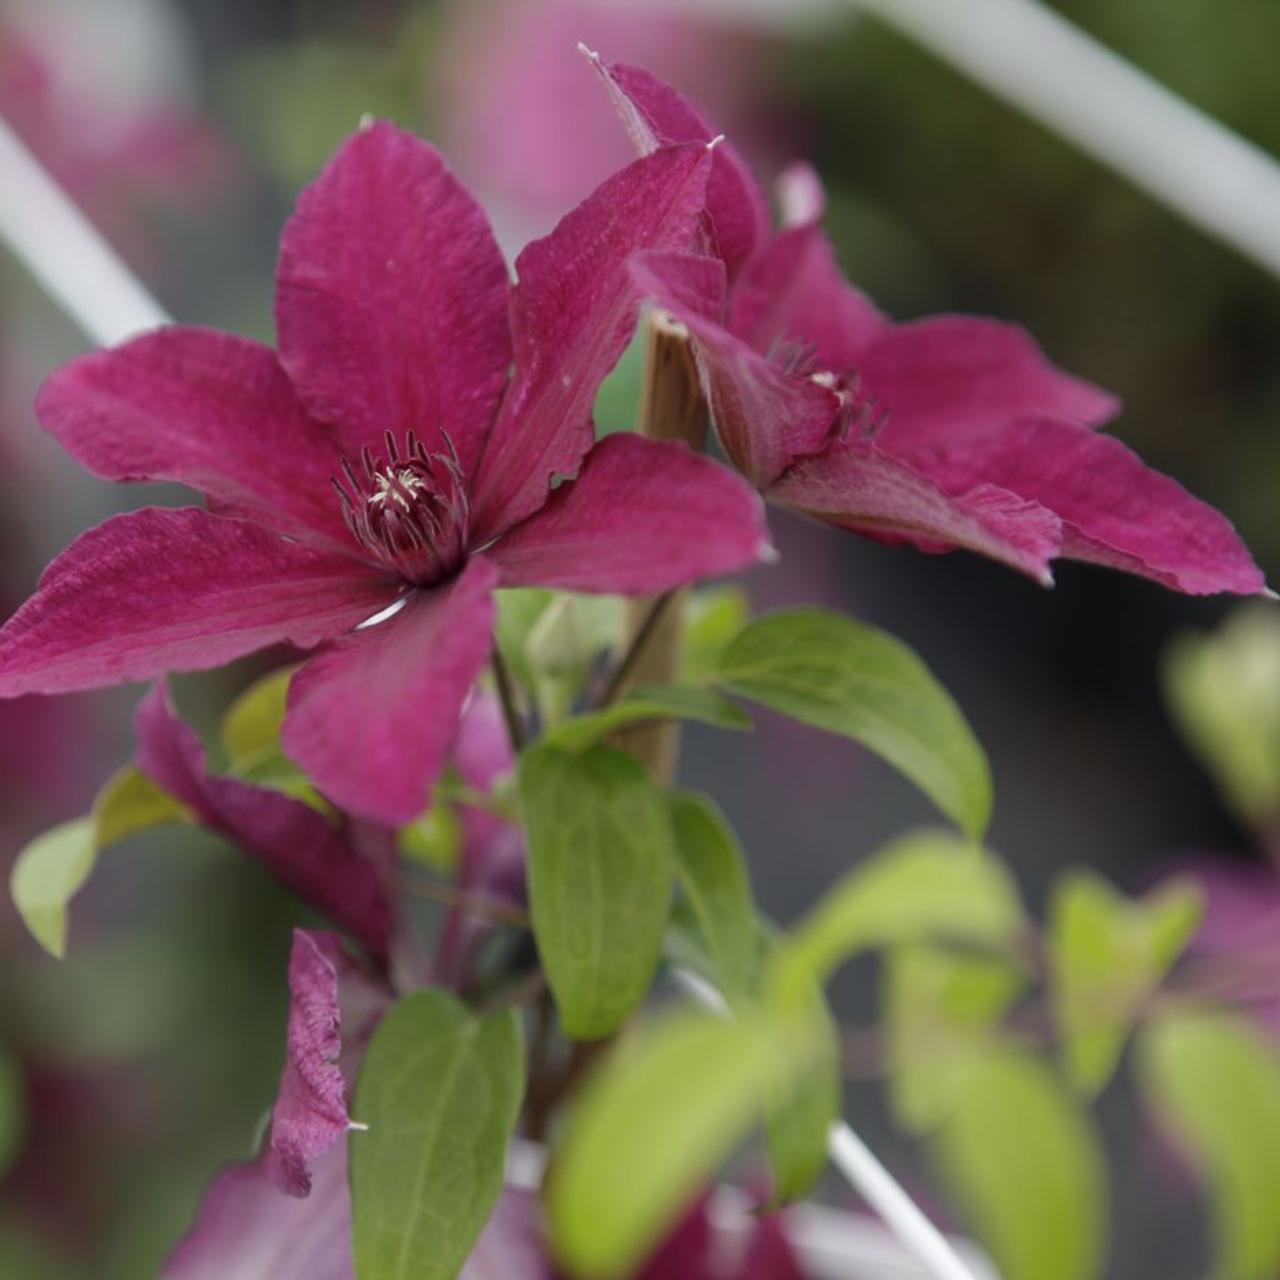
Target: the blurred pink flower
pixel 952 431
pixel 114 157
pixel 520 111
pixel 393 386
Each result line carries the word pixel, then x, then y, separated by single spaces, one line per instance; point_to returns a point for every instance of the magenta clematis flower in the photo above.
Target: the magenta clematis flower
pixel 952 431
pixel 395 458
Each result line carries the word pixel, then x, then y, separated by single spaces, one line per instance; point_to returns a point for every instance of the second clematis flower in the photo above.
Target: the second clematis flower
pixel 374 480
pixel 951 431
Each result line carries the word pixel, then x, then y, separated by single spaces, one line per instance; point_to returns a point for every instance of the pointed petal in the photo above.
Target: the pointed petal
pixel 574 310
pixel 203 409
pixel 765 417
pixel 247 1229
pixel 950 378
pixel 162 590
pixel 861 488
pixel 310 1114
pixel 769 1254
pixel 391 299
pixel 793 292
pixel 1115 510
pixel 371 718
pixel 644 516
pixel 304 850
pixel 656 115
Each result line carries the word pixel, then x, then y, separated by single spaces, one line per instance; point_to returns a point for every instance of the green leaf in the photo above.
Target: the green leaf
pixel 1224 693
pixel 600 867
pixel 46 876
pixel 129 804
pixel 652 1125
pixel 1107 954
pixel 930 884
pixel 860 682
pixel 717 900
pixel 252 724
pixel 941 1008
pixel 1214 1078
pixel 713 616
pixel 649 702
pixel 440 1091
pixel 1022 1159
pixel 800 1112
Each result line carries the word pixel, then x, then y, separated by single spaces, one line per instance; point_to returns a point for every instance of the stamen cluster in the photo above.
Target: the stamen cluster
pixel 409 508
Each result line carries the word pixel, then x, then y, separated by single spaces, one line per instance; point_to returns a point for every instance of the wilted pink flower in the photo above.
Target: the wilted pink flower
pixel 953 431
pixel 395 457
pixel 324 862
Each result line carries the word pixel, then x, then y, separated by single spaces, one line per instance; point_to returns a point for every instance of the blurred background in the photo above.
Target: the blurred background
pixel 184 128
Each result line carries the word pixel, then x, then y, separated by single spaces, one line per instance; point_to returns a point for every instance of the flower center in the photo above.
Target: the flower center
pixel 408 508
pixel 861 416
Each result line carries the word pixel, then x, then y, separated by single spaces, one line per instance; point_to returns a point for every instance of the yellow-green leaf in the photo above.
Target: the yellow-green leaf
pixel 47 874
pixel 1107 954
pixel 652 1125
pixel 646 703
pixel 931 884
pixel 1022 1159
pixel 1214 1078
pixel 251 727
pixel 131 803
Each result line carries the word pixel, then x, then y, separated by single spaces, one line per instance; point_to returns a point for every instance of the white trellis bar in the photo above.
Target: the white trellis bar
pixel 1035 59
pixel 65 253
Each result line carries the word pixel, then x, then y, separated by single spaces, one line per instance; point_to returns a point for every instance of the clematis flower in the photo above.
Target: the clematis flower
pixel 371 483
pixel 952 431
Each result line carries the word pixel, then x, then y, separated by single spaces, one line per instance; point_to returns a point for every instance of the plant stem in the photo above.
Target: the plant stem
pixel 635 651
pixel 507 696
pixel 671 408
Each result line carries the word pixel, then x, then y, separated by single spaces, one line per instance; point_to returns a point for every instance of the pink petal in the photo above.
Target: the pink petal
pixel 300 847
pixel 310 1114
pixel 860 487
pixel 371 718
pixel 247 1229
pixel 657 115
pixel 793 293
pixel 391 299
pixel 765 417
pixel 573 312
pixel 1115 510
pixel 207 410
pixel 644 516
pixel 161 590
pixel 948 378
pixel 769 1254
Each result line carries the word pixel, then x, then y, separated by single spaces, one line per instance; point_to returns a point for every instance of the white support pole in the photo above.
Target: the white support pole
pixel 66 253
pixel 1036 60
